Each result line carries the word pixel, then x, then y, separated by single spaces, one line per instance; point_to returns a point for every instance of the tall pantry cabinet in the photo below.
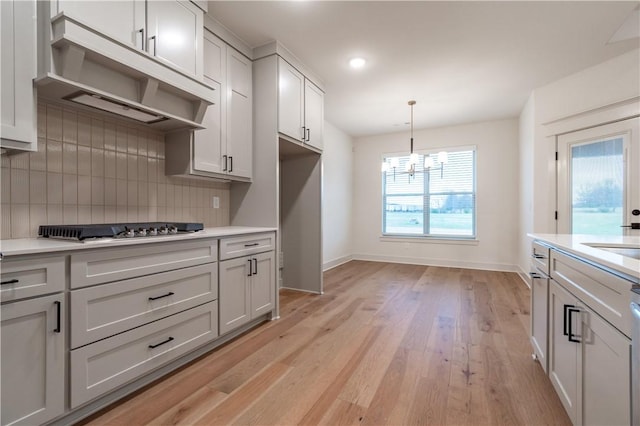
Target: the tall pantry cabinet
pixel 287 181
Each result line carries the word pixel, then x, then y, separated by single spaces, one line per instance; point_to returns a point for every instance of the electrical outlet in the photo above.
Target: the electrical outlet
pixel 216 202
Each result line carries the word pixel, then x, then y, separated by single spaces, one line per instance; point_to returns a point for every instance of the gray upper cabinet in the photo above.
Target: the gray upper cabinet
pixel 224 148
pixel 174 34
pixel 17 71
pixel 171 31
pixel 300 106
pixel 122 20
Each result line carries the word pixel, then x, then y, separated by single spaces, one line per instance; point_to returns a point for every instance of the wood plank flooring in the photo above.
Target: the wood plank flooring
pixel 386 344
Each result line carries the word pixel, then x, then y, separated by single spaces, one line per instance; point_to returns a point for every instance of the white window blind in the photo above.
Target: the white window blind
pixel 439 202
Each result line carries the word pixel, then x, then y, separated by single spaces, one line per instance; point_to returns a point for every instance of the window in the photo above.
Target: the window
pixel 435 202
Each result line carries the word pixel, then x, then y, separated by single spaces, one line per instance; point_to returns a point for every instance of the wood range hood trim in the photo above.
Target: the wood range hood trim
pixel 78 59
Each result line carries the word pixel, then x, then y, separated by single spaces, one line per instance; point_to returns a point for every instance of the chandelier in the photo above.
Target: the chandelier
pixel 430 161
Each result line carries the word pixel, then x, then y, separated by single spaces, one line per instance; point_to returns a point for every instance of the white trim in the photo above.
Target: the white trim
pixel 336 262
pixel 524 275
pixel 428 240
pixel 622 110
pixel 447 263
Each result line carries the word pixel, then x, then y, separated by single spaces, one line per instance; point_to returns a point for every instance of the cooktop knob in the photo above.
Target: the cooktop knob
pixel 153 231
pixel 129 233
pixel 141 232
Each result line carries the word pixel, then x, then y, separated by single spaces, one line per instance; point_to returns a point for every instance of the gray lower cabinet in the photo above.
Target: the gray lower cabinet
pixel 109 363
pixel 32 358
pixel 589 348
pixel 247 289
pixel 588 362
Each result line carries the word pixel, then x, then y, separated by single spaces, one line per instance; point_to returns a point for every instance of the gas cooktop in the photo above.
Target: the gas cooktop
pixel 117 230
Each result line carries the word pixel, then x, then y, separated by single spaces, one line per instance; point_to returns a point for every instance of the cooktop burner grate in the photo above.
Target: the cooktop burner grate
pixel 119 230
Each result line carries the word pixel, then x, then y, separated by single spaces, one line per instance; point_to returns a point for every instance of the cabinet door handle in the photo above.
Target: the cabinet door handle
pixel 565 322
pixel 250 269
pixel 141 32
pixel 304 132
pixel 154 44
pixel 160 297
pixel 251 245
pixel 535 275
pixel 161 343
pixel 538 256
pixel 58 316
pixel 255 266
pixel 224 160
pixel 13 281
pixel 230 163
pixel 572 337
pixel 308 134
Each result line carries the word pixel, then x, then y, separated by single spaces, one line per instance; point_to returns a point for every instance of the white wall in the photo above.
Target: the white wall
pixel 604 84
pixel 337 192
pixel 527 141
pixel 497 198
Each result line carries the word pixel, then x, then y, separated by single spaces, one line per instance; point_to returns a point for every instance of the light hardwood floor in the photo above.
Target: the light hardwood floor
pixel 386 344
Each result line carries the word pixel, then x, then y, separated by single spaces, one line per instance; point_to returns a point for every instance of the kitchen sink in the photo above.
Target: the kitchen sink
pixel 623 250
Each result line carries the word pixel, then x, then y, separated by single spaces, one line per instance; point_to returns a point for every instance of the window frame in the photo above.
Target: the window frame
pixel 426 195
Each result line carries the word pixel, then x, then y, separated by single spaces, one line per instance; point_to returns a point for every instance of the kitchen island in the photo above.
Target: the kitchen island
pixel 581 323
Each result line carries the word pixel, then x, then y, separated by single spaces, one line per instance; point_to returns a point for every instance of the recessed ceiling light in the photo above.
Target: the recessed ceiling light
pixel 357 63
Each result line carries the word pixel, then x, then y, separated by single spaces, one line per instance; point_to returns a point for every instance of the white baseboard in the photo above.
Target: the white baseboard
pixel 336 262
pixel 524 276
pixel 451 263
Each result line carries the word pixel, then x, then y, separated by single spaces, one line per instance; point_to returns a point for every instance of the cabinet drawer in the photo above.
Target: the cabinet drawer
pixel 102 311
pixel 540 257
pixel 246 245
pixel 605 293
pixel 109 363
pixel 118 263
pixel 31 277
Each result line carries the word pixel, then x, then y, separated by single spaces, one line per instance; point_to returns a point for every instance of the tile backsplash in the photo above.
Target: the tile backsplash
pixel 92 169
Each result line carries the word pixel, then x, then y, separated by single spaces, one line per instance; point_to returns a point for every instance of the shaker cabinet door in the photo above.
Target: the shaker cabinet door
pixel 313 114
pixel 33 351
pixel 175 34
pixel 234 295
pixel 290 101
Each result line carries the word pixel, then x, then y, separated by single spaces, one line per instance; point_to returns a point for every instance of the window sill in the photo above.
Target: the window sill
pixel 429 240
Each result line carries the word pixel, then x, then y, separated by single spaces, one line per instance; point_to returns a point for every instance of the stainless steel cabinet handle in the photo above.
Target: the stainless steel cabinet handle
pixel 572 337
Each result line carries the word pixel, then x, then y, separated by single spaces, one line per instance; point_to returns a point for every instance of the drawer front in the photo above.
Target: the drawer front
pixel 107 364
pixel 102 311
pixel 540 257
pixel 118 263
pixel 247 245
pixel 32 277
pixel 605 293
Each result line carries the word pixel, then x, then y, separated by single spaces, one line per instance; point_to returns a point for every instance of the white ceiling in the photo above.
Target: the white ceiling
pixel 461 61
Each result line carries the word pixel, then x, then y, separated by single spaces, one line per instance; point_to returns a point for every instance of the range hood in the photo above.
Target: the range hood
pixel 91 71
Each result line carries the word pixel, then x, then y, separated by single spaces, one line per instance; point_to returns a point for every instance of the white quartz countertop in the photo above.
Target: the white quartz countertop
pixel 579 245
pixel 24 246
